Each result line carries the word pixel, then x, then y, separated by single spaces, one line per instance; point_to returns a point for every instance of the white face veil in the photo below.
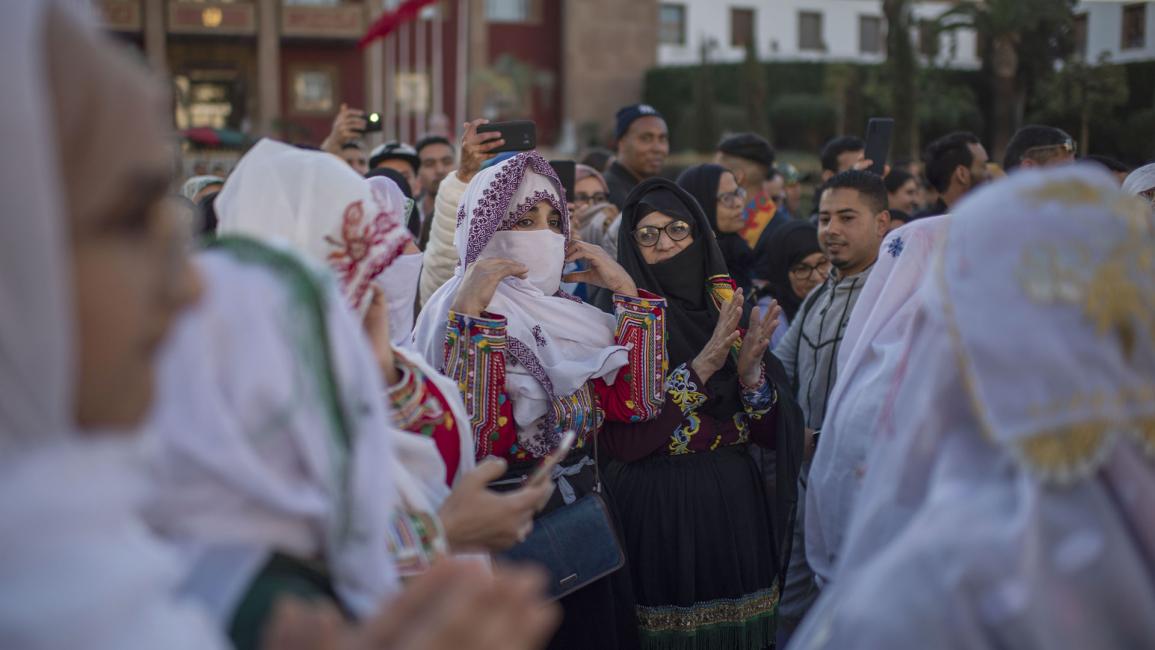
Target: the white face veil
pixel 1004 501
pixel 78 569
pixel 558 342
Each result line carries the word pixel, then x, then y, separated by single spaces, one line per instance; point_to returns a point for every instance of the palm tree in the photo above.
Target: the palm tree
pixel 1006 30
pixel 902 66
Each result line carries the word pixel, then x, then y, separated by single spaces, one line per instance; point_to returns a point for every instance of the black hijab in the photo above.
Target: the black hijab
pixel 685 281
pixel 788 246
pixel 701 181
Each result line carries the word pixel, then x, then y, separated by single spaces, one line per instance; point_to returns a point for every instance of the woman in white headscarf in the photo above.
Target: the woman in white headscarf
pixel 272 456
pixel 327 212
pixel 1004 503
pixel 1141 182
pixel 335 218
pixel 92 272
pixel 88 287
pixel 533 362
pixel 398 281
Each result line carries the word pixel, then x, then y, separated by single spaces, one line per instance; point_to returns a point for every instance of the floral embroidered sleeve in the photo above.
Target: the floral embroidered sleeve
pixel 758 402
pixel 682 428
pixel 421 409
pixel 475 358
pixel 636 394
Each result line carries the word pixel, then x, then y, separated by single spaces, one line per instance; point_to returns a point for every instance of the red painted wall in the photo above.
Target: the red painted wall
pixel 541 46
pixel 348 62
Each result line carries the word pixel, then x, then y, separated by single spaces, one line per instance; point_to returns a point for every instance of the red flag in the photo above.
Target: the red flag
pixel 391 20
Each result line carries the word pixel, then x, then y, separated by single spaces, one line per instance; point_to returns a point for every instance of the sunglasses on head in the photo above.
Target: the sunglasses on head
pixel 1068 146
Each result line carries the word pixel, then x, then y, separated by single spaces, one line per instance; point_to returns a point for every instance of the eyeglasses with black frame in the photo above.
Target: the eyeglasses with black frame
pixel 648 236
pixel 801 271
pixel 590 199
pixel 733 199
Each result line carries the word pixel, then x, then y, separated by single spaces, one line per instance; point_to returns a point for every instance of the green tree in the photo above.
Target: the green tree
pixel 704 118
pixel 1085 90
pixel 901 71
pixel 754 92
pixel 1019 43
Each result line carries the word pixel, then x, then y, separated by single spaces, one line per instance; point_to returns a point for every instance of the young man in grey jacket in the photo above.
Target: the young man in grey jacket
pixel 852 221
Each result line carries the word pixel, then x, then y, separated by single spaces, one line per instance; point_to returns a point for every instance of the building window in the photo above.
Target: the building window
pixel 870 34
pixel 314 90
pixel 810 31
pixel 742 28
pixel 1134 27
pixel 1080 29
pixel 208 98
pixel 927 38
pixel 511 11
pixel 672 24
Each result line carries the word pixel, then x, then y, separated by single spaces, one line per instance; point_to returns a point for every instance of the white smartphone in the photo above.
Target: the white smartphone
pixel 547 464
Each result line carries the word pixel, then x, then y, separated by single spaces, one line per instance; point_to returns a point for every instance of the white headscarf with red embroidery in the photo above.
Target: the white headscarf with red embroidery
pixel 315 203
pixel 556 342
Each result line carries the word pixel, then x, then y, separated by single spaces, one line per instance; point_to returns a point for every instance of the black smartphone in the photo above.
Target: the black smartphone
pixel 519 135
pixel 566 171
pixel 878 133
pixel 373 123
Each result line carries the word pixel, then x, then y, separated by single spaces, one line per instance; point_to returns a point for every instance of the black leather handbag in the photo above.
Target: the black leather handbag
pixel 576 544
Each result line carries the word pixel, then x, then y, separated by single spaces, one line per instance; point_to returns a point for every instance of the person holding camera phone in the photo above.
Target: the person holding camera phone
pixel 533 362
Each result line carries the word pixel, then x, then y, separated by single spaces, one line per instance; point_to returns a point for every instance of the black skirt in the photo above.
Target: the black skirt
pixel 601 615
pixel 697 531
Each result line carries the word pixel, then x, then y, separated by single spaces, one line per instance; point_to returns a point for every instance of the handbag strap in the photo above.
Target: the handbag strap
pixel 597 464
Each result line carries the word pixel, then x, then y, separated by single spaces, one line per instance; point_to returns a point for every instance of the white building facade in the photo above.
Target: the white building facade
pixel 1123 31
pixel 800 30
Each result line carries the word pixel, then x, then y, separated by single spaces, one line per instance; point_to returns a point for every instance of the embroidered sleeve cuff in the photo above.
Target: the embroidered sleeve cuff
pixel 408 394
pixel 645 302
pixel 760 399
pixel 489 326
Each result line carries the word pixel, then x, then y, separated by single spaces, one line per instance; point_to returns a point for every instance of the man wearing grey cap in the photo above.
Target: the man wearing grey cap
pixel 643 144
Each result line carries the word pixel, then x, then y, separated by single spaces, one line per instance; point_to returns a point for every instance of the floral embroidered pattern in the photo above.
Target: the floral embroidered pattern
pixel 493 206
pixel 364 244
pixel 895 247
pixel 685 395
pixel 538 337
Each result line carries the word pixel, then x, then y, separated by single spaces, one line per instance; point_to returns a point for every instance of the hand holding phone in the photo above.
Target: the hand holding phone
pixel 519 135
pixel 878 134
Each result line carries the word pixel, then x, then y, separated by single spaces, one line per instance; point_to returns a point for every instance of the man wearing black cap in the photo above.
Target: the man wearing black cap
pixel 1039 146
pixel 643 144
pixel 750 158
pixel 403 159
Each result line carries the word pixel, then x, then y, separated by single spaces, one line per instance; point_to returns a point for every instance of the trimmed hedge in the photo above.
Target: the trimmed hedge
pixel 803 104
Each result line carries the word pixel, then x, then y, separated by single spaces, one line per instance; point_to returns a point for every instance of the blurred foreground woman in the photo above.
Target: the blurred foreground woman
pixel 92 275
pixel 1006 500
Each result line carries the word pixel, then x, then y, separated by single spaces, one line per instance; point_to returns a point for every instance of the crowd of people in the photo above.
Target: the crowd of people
pixel 423 397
